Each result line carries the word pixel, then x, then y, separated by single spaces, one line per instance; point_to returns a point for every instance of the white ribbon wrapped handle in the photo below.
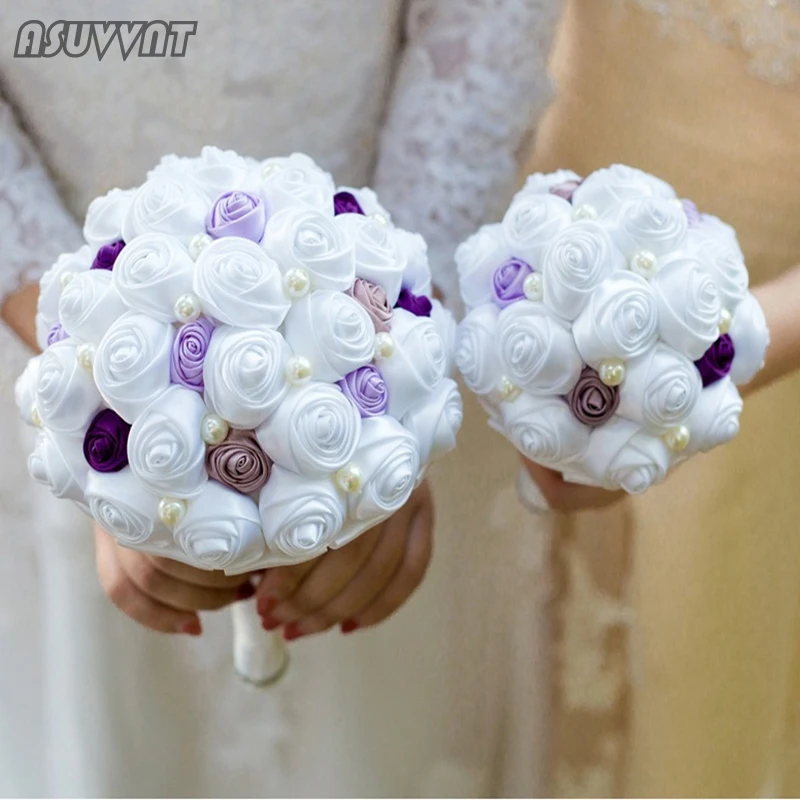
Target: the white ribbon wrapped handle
pixel 259 657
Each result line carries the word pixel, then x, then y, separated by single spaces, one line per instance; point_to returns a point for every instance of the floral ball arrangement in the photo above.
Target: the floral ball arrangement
pixel 243 365
pixel 609 324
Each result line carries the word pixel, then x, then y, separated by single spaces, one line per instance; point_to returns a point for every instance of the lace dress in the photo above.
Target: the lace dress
pixel 450 696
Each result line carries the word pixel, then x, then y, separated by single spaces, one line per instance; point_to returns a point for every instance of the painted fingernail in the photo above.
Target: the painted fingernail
pixel 269 623
pixel 192 628
pixel 266 604
pixel 245 591
pixel 348 626
pixel 292 631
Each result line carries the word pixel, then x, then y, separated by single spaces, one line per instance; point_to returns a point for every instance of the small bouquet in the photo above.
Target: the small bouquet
pixel 242 367
pixel 609 324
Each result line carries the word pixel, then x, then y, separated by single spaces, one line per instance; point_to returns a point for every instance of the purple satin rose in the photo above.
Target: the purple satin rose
pixel 565 190
pixel 366 388
pixel 716 361
pixel 107 255
pixel 346 203
pixel 57 334
pixel 591 401
pixel 237 214
pixel 189 353
pixel 508 281
pixel 105 446
pixel 693 216
pixel 416 304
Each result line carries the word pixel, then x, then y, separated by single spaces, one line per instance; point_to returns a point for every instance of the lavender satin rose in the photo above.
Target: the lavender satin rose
pixel 508 281
pixel 189 353
pixel 366 389
pixel 716 361
pixel 105 445
pixel 237 214
pixel 565 190
pixel 107 255
pixel 56 334
pixel 374 300
pixel 591 401
pixel 693 217
pixel 239 463
pixel 346 203
pixel 416 304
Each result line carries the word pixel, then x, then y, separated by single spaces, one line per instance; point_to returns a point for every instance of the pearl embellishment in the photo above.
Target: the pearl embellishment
pixel 384 346
pixel 213 429
pixel 677 439
pixel 584 212
pixel 379 217
pixel 297 283
pixel 67 277
pixel 187 308
pixel 644 263
pixel 298 370
pixel 533 287
pixel 612 371
pixel 725 321
pixel 85 356
pixel 171 511
pixel 270 168
pixel 349 479
pixel 507 390
pixel 198 243
pixel 36 417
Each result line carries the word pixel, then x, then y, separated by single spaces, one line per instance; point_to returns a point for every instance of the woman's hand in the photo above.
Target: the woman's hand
pixel 159 593
pixel 357 586
pixel 567 497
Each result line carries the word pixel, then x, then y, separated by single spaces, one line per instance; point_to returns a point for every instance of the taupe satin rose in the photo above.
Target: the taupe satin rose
pixel 375 302
pixel 239 463
pixel 591 401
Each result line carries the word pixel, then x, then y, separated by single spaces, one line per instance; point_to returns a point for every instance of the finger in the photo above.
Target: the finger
pixel 124 594
pixel 366 584
pixel 146 575
pixel 331 574
pixel 563 496
pixel 214 579
pixel 278 584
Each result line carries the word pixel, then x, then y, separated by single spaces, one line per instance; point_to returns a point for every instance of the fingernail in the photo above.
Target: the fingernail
pixel 292 631
pixel 266 604
pixel 269 623
pixel 349 625
pixel 192 628
pixel 245 591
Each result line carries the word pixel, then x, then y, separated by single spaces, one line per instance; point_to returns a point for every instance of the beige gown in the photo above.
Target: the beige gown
pixel 677 613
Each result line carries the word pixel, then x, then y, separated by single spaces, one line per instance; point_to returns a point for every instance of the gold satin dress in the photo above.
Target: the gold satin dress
pixel 678 612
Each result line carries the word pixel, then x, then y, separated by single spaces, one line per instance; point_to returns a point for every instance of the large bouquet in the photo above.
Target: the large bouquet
pixel 242 367
pixel 609 324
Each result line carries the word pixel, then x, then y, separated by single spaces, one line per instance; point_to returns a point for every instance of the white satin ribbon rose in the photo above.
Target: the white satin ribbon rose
pixel 57 462
pixel 477 259
pixel 105 216
pixel 715 418
pixel 436 422
pixel 244 374
pixel 605 189
pixel 544 430
pixel 333 332
pixel 619 321
pixel 536 349
pixel 221 530
pixel 50 287
pixel 125 508
pixel 542 183
pixel 296 180
pixel 448 329
pixel 651 224
pixel 66 395
pixel 380 258
pixel 688 305
pixel 300 516
pixel 166 205
pixel 89 304
pixel 306 239
pixel 417 363
pixel 215 171
pixel 575 263
pixel 132 363
pixel 750 336
pixel 621 455
pixel 151 273
pixel 660 389
pixel 314 431
pixel 239 284
pixel 165 449
pixel 476 352
pixel 532 222
pixel 25 390
pixel 417 275
pixel 719 251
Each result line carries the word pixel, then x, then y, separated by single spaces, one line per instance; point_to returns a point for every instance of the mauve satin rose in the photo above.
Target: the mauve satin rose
pixel 346 203
pixel 416 304
pixel 591 401
pixel 237 214
pixel 716 361
pixel 105 445
pixel 565 190
pixel 508 281
pixel 239 463
pixel 374 300
pixel 107 255
pixel 366 389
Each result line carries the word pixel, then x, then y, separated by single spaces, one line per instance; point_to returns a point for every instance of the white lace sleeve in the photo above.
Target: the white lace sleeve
pixel 34 225
pixel 470 86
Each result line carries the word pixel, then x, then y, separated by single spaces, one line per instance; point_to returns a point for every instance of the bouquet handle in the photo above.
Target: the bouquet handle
pixel 260 657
